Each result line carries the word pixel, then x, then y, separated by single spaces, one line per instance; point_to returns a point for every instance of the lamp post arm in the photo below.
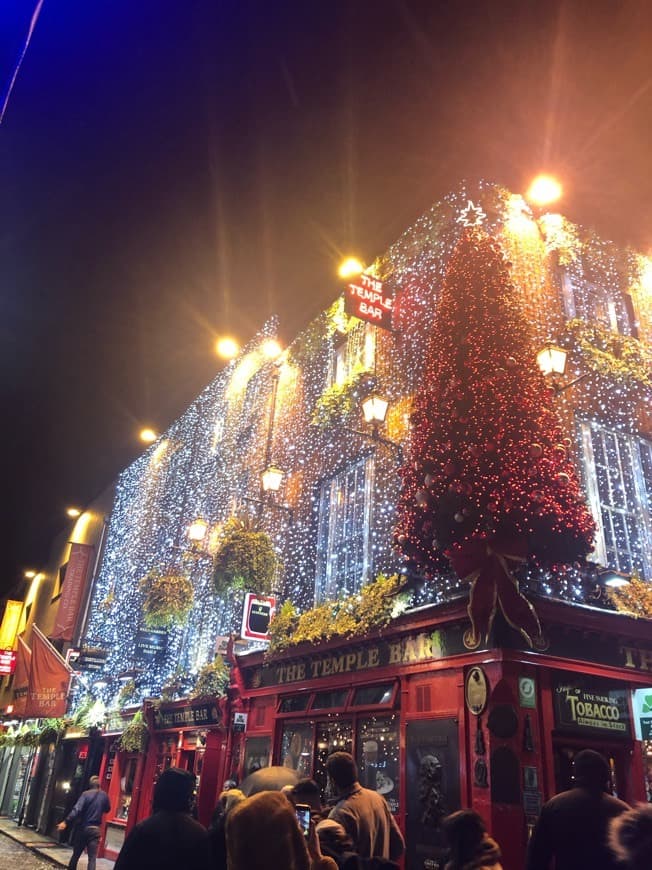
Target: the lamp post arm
pixel 268 502
pixel 560 388
pixel 379 439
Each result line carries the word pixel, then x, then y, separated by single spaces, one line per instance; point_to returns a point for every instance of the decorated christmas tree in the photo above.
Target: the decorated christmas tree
pixel 489 485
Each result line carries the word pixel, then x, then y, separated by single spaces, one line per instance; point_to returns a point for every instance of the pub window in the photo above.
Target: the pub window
pixel 335 735
pixel 343 550
pixel 619 484
pixel 294 703
pixel 257 754
pixel 365 696
pixel 297 747
pixel 329 700
pixel 377 747
pixel 355 353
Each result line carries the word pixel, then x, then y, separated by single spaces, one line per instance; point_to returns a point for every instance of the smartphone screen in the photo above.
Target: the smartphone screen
pixel 303 816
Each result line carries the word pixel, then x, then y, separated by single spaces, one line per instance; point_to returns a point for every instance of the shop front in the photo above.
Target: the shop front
pixel 189 734
pixel 435 726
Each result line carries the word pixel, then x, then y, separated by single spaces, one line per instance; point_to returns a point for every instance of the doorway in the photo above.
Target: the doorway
pixel 616 755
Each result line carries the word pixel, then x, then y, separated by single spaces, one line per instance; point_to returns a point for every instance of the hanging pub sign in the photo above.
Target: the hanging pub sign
pixel 365 299
pixel 257 615
pixel 191 714
pixel 7 662
pixel 150 642
pixel 591 706
pixel 89 658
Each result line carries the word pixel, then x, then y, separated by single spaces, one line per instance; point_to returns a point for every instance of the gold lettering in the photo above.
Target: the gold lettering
pixel 350 661
pixel 374 657
pixel 301 672
pixel 315 667
pixel 327 667
pixel 425 646
pixel 337 665
pixel 646 659
pixel 410 654
pixel 629 656
pixel 395 653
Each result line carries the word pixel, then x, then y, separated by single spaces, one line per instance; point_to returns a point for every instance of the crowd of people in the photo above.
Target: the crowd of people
pixel 290 829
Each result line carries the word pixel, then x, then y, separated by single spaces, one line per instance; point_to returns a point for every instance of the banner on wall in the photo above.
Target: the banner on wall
pixel 21 677
pixel 73 588
pixel 49 678
pixel 10 623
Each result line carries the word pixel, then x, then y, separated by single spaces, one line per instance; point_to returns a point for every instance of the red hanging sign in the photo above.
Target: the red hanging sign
pixel 48 680
pixel 366 300
pixel 21 677
pixel 73 587
pixel 7 661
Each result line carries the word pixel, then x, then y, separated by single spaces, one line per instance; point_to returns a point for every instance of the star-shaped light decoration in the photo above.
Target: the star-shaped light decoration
pixel 472 216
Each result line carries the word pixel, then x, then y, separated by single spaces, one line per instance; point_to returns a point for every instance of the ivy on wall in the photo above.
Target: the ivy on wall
pixel 612 354
pixel 212 680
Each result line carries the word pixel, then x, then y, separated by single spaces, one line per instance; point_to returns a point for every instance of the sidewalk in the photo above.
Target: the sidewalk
pixel 46 847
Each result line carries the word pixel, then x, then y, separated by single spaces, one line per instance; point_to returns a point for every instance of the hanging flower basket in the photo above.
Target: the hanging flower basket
pixel 245 560
pixel 168 598
pixel 134 737
pixel 212 680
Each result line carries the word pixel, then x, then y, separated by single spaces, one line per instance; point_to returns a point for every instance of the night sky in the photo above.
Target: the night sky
pixel 175 169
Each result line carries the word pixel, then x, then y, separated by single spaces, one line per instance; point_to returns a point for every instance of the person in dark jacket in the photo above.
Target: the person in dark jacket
pixel 170 839
pixel 471 847
pixel 87 815
pixel 217 829
pixel 572 827
pixel 630 838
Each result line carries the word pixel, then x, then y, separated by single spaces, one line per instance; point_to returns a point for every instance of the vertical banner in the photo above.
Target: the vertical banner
pixel 49 677
pixel 10 623
pixel 73 587
pixel 21 677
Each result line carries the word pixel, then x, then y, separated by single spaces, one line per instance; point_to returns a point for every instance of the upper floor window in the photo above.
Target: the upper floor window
pixel 355 353
pixel 343 549
pixel 619 483
pixel 596 304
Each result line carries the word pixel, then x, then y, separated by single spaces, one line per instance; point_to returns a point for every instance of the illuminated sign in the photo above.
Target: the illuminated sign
pixel 597 706
pixel 7 661
pixel 258 612
pixel 10 623
pixel 366 300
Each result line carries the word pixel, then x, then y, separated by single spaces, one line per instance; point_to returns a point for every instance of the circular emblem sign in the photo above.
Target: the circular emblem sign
pixel 476 690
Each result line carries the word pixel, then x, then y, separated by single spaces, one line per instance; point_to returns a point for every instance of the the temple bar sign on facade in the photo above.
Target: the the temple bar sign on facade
pixel 365 299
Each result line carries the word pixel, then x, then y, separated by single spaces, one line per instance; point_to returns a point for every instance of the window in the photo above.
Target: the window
pixel 377 756
pixel 354 354
pixel 368 695
pixel 297 747
pixel 619 482
pixel 294 703
pixel 329 699
pixel 344 558
pixel 257 754
pixel 594 303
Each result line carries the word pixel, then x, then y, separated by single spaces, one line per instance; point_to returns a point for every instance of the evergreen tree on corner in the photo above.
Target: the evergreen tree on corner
pixel 489 484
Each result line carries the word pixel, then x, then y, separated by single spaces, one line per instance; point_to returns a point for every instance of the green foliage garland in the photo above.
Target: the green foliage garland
pixel 212 680
pixel 612 354
pixel 134 737
pixel 50 731
pixel 126 694
pixel 634 599
pixel 168 598
pixel 369 610
pixel 245 559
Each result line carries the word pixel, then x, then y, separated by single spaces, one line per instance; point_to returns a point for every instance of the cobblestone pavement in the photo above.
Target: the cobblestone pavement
pixel 17 857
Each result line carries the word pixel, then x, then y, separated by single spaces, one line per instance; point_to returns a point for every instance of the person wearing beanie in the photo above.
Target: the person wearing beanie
pixel 87 814
pixel 471 847
pixel 262 833
pixel 630 838
pixel 170 839
pixel 572 827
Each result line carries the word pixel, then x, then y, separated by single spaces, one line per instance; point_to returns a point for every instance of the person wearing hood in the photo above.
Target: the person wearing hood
pixel 471 847
pixel 170 839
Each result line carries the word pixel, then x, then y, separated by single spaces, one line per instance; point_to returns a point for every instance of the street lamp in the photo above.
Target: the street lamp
pixel 350 267
pixel 227 347
pixel 613 579
pixel 147 435
pixel 73 512
pixel 271 478
pixel 197 530
pixel 544 190
pixel 374 409
pixel 551 359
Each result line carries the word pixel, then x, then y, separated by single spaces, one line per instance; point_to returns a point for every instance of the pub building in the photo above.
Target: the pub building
pixel 435 727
